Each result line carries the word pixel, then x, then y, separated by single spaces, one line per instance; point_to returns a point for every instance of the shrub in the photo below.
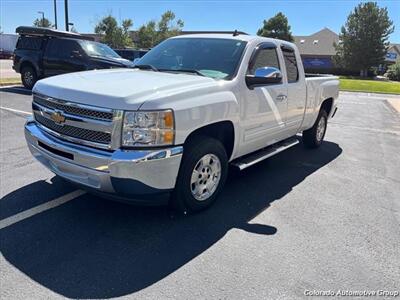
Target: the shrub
pixel 393 72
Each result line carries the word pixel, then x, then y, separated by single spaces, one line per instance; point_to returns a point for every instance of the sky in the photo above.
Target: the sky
pixel 305 17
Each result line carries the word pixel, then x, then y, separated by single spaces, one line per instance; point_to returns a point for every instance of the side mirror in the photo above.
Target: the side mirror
pixel 76 54
pixel 264 76
pixel 136 60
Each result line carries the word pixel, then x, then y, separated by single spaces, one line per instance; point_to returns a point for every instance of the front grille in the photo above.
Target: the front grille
pixel 75 132
pixel 79 111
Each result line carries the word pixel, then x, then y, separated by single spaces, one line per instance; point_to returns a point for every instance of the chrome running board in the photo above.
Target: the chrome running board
pixel 256 157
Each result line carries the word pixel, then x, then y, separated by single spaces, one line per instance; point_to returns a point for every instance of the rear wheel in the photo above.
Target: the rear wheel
pixel 202 174
pixel 28 77
pixel 313 137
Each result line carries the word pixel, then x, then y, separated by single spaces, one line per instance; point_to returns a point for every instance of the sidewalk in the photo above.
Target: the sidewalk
pixel 7 75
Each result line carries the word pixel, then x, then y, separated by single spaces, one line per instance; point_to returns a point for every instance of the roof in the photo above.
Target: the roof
pixel 319 43
pixel 240 37
pixel 42 31
pixel 396 47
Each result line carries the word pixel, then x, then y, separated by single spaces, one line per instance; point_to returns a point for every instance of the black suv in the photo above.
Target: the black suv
pixel 43 52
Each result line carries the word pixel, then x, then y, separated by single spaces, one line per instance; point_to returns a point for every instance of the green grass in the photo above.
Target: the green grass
pixel 9 81
pixel 370 86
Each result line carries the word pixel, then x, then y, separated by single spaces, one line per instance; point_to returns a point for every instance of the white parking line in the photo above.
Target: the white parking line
pixel 40 208
pixel 16 111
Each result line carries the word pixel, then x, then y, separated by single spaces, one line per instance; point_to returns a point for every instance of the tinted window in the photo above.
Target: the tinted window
pixel 213 57
pixel 264 58
pixel 29 42
pixel 291 65
pixel 62 48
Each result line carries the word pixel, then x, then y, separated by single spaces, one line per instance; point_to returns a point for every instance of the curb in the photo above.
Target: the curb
pixel 10 84
pixel 371 94
pixel 395 103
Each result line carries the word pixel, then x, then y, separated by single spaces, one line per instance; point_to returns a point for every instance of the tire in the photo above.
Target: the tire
pixel 197 153
pixel 28 77
pixel 313 137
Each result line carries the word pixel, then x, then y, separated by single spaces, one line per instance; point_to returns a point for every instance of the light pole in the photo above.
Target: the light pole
pixel 41 12
pixel 55 14
pixel 66 15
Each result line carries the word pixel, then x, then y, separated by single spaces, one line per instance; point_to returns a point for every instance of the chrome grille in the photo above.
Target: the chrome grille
pixel 79 133
pixel 75 110
pixel 82 124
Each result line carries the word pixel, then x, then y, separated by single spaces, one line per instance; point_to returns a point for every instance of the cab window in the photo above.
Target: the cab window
pixel 291 64
pixel 267 57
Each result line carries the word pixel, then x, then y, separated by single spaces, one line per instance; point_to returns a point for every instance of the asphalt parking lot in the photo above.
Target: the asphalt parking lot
pixel 326 219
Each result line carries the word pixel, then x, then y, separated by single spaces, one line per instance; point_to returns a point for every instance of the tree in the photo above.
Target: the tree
pixel 276 27
pixel 364 38
pixel 113 35
pixel 154 32
pixel 393 72
pixel 42 22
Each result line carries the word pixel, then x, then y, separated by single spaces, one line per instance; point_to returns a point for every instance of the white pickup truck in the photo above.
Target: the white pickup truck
pixel 168 129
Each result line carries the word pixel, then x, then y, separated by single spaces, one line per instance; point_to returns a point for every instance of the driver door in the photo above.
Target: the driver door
pixel 59 57
pixel 265 106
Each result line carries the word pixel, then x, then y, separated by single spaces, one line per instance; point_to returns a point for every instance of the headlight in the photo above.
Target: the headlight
pixel 148 128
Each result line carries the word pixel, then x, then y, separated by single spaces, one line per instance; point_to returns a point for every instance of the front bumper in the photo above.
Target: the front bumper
pixel 126 174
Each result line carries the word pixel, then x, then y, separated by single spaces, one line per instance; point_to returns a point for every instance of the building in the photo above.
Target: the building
pixel 317 50
pixel 393 54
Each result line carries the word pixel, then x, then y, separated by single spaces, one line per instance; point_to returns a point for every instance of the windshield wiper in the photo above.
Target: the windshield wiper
pixel 187 71
pixel 146 67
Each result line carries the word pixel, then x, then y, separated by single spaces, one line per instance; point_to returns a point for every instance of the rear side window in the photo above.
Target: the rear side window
pixel 29 43
pixel 264 58
pixel 291 65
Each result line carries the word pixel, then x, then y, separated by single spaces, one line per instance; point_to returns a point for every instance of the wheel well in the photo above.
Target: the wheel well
pixel 27 64
pixel 222 131
pixel 327 105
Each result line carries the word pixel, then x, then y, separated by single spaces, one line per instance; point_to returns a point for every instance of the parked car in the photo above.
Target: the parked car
pixel 168 130
pixel 130 54
pixel 7 45
pixel 43 52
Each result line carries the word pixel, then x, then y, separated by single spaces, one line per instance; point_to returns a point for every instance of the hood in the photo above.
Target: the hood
pixel 112 61
pixel 119 88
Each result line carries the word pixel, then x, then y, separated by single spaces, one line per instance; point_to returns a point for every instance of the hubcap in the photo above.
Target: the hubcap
pixel 321 129
pixel 205 177
pixel 28 77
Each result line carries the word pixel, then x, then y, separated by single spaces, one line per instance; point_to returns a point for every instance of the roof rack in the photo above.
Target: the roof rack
pixel 42 31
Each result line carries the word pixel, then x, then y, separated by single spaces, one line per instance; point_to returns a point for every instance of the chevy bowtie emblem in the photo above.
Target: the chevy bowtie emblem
pixel 58 117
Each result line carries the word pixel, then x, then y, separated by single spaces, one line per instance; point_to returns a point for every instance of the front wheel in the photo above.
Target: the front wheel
pixel 28 77
pixel 313 137
pixel 202 174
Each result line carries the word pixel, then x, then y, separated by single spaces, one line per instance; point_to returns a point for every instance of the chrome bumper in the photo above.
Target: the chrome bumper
pixel 131 173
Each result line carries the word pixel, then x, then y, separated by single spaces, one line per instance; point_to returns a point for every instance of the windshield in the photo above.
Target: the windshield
pixel 213 57
pixel 98 49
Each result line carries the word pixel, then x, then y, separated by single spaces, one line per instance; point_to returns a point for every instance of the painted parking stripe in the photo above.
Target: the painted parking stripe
pixel 16 111
pixel 40 208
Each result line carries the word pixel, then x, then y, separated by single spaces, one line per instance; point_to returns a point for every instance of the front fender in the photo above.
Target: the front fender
pixel 204 110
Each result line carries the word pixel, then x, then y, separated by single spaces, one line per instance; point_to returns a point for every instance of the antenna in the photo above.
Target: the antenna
pixel 235 33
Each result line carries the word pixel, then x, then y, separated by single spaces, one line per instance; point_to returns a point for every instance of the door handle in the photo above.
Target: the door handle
pixel 281 97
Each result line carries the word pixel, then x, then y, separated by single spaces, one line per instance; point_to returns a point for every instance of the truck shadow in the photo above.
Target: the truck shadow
pixel 94 248
pixel 17 90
